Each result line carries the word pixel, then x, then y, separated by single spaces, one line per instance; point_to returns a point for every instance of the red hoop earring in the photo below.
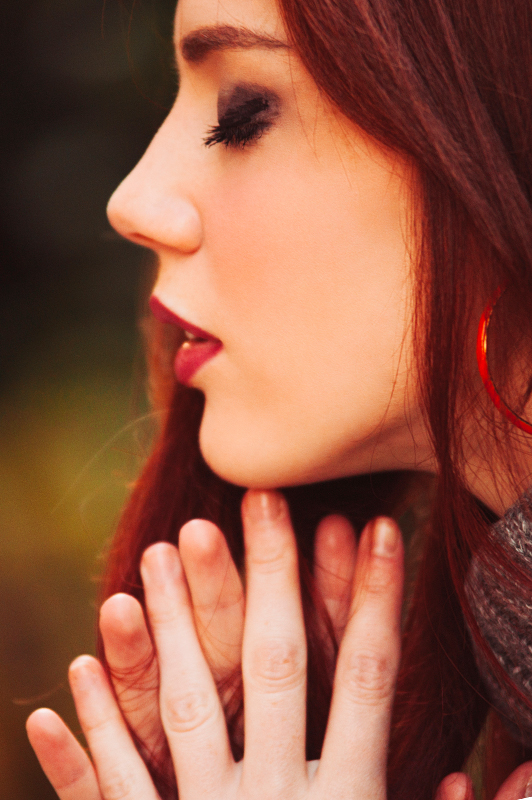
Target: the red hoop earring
pixel 482 361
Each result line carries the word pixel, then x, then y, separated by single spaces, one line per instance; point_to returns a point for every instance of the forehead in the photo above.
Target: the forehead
pixel 261 16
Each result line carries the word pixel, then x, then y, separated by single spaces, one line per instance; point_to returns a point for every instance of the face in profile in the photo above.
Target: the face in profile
pixel 283 234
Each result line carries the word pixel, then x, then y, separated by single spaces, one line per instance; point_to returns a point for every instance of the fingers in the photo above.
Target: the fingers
pixel 334 568
pixel 122 775
pixel 459 787
pixel 274 651
pixel 217 595
pixel 134 670
pixel 456 786
pixel 191 712
pixel 218 603
pixel 64 762
pixel 518 785
pixel 356 742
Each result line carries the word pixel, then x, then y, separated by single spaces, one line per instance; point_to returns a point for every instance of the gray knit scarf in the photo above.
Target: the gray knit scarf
pixel 504 616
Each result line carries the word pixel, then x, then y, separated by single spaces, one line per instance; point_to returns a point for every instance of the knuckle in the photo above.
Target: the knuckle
pixel 272 553
pixel 215 605
pixel 186 711
pixel 368 676
pixel 270 559
pixel 277 664
pixel 99 725
pixel 136 680
pixel 118 785
pixel 163 616
pixel 381 578
pixel 76 775
pixel 377 589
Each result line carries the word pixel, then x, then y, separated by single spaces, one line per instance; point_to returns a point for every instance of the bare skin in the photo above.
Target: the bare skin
pixel 312 209
pixel 353 762
pixel 294 250
pixel 218 603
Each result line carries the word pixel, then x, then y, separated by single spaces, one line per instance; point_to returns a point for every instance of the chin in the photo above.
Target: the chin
pixel 253 458
pixel 257 457
pixel 245 465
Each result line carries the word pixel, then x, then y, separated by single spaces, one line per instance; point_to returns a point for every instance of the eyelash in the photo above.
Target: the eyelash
pixel 240 126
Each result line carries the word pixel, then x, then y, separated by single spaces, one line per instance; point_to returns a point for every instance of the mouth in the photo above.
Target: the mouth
pixel 199 345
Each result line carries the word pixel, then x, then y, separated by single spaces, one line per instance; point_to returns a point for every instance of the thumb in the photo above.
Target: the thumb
pixel 518 785
pixel 456 786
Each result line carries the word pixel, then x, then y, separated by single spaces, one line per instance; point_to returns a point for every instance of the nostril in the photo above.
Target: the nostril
pixel 141 240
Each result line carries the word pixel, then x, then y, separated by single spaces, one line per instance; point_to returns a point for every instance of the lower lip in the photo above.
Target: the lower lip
pixel 193 355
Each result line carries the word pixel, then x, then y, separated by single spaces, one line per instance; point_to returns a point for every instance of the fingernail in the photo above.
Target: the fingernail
pixel 160 562
pixel 528 788
pixel 263 506
pixel 84 671
pixel 385 537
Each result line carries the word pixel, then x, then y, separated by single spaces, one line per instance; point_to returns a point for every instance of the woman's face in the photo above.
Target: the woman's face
pixel 287 237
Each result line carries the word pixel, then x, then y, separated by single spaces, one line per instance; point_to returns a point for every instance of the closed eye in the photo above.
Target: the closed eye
pixel 244 116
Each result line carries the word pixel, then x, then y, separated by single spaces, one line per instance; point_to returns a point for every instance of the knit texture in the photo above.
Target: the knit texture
pixel 504 617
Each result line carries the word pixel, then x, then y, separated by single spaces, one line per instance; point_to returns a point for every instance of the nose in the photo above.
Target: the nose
pixel 151 206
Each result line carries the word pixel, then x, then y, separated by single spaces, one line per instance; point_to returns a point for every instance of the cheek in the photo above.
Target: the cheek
pixel 311 281
pixel 307 264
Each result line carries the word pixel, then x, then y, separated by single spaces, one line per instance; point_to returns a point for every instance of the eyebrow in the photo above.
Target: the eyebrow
pixel 197 45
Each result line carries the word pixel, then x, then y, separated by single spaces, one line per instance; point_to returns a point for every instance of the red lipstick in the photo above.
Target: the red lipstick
pixel 198 348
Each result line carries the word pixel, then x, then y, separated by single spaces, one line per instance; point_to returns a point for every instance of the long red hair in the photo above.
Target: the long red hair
pixel 446 83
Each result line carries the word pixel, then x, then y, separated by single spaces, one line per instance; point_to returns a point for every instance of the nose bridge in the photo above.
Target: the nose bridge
pixel 155 204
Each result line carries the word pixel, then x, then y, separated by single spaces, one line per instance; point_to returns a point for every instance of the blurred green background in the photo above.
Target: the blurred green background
pixel 84 85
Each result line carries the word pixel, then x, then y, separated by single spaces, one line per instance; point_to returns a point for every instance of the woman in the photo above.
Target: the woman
pixel 337 193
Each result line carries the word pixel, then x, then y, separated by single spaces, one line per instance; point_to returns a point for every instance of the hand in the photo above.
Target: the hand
pixel 217 598
pixel 459 787
pixel 353 760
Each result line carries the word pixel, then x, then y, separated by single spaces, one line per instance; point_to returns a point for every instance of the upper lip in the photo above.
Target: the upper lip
pixel 163 314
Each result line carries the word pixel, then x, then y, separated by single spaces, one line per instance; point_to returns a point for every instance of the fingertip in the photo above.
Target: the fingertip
pixel 119 602
pixel 335 538
pixel 157 550
pixel 84 672
pixel 60 755
pixel 265 507
pixel 386 539
pixel 125 635
pixel 160 561
pixel 201 541
pixel 43 722
pixel 48 735
pixel 518 785
pixel 456 786
pixel 381 536
pixel 121 613
pixel 83 662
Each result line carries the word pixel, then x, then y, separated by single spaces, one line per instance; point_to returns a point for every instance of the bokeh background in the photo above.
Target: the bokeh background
pixel 84 85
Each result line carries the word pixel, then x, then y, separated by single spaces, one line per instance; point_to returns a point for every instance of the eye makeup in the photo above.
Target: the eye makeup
pixel 245 113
